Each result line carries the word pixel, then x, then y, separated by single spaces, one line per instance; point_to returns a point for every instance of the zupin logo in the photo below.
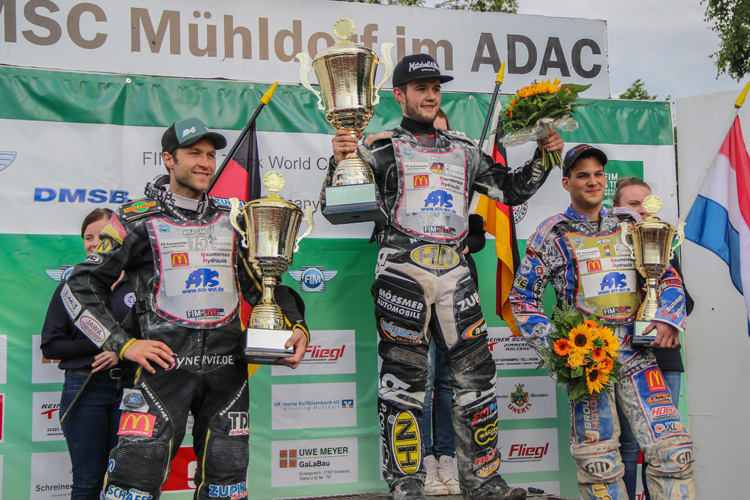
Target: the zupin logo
pixel 486 434
pixel 439 198
pixel 406 442
pixel 312 278
pixel 613 280
pixel 421 181
pixel 519 400
pixel 232 491
pixel 204 280
pixel 137 424
pixel 180 259
pixel 6 158
pixel 400 334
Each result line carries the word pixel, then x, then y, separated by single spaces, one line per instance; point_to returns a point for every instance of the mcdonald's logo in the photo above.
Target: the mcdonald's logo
pixel 421 181
pixel 655 380
pixel 180 260
pixel 593 265
pixel 136 424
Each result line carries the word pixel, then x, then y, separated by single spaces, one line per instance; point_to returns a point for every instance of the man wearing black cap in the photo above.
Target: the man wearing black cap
pixel 178 249
pixel 425 177
pixel 581 254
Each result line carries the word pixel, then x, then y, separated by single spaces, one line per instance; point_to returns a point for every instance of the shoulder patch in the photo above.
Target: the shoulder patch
pixel 223 204
pixel 369 139
pixel 140 208
pixel 115 230
pixel 458 135
pixel 544 229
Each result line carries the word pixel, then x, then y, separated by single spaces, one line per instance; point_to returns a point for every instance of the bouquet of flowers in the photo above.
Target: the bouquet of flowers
pixel 583 354
pixel 537 108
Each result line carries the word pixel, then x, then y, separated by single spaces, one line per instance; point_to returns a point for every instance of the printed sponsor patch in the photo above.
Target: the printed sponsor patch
pixel 133 400
pixel 70 302
pixel 92 328
pixel 486 434
pixel 400 334
pixel 406 442
pixel 137 424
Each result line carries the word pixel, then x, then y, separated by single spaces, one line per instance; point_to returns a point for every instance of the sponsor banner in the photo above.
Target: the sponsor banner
pixel 313 406
pixel 510 352
pixel 329 352
pixel 226 39
pixel 529 450
pixel 43 370
pixel 526 397
pixel 3 359
pixel 45 420
pixel 2 428
pixel 314 461
pixel 51 476
pixel 182 471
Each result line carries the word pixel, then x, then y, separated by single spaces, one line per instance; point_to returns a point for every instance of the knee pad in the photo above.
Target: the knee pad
pixel 598 463
pixel 674 460
pixel 141 465
pixel 230 455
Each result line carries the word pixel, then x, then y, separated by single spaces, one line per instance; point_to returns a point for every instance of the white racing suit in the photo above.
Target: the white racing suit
pixel 422 279
pixel 589 267
pixel 181 258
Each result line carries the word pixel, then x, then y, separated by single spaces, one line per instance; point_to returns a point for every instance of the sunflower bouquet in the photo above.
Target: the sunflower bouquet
pixel 536 109
pixel 583 354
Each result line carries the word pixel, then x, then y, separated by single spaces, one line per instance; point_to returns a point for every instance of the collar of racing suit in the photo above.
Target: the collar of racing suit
pixel 158 190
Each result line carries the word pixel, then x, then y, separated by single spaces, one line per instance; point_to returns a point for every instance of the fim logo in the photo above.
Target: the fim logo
pixel 6 158
pixel 312 278
pixel 287 459
pixel 60 274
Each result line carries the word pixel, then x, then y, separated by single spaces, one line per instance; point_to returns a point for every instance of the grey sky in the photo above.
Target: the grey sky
pixel 665 43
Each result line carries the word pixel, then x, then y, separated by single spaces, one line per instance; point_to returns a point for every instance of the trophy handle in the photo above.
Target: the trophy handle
pixel 309 219
pixel 385 55
pixel 624 236
pixel 678 240
pixel 304 70
pixel 233 218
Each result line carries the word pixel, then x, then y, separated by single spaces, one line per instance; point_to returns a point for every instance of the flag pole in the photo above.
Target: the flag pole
pixel 707 167
pixel 263 101
pixel 498 83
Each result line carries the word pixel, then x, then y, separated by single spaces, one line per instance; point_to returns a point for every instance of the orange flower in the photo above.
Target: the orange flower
pixel 591 324
pixel 598 355
pixel 562 347
pixel 608 365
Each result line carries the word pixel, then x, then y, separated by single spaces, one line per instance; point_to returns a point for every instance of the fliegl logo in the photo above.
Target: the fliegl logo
pixel 312 278
pixel 6 158
pixel 204 280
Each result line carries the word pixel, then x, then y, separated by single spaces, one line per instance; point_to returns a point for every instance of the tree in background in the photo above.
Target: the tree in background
pixel 731 22
pixel 509 6
pixel 637 91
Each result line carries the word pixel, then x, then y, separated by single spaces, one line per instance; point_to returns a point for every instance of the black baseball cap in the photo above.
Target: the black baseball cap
pixel 183 133
pixel 582 149
pixel 417 66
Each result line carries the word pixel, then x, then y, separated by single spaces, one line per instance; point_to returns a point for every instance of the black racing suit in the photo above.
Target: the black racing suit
pixel 591 269
pixel 422 275
pixel 181 256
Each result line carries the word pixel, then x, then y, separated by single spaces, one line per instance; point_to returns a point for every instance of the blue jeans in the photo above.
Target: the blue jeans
pixel 629 446
pixel 91 429
pixel 440 419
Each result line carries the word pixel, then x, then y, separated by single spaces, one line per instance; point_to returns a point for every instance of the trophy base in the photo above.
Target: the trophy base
pixel 639 339
pixel 352 203
pixel 265 347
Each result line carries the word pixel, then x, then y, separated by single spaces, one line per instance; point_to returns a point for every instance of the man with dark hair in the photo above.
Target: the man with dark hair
pixel 425 177
pixel 179 251
pixel 581 254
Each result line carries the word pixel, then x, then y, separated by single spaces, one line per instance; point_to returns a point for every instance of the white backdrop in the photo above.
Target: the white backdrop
pixel 717 347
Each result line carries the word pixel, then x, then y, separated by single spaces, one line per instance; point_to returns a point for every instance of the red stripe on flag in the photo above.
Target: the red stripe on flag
pixel 734 149
pixel 232 183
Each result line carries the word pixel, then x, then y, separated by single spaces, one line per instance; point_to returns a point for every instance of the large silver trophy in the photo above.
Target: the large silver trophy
pixel 268 230
pixel 348 95
pixel 654 243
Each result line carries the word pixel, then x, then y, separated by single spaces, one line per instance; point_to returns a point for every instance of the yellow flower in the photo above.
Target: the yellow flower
pixel 544 87
pixel 596 379
pixel 582 338
pixel 562 347
pixel 575 359
pixel 611 344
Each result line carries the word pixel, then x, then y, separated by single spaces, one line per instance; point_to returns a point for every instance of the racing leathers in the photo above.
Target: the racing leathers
pixel 422 280
pixel 181 257
pixel 591 269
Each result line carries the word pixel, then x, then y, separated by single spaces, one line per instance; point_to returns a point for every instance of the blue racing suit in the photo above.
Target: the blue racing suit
pixel 590 268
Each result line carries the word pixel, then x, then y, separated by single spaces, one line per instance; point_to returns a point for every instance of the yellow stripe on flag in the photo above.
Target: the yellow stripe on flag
pixel 497 223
